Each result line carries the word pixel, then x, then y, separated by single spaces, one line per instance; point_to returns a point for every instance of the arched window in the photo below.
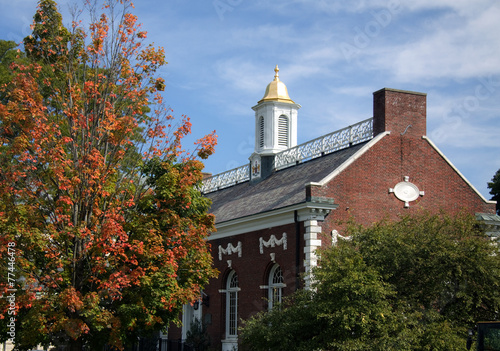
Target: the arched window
pixel 261 132
pixel 283 131
pixel 276 285
pixel 232 305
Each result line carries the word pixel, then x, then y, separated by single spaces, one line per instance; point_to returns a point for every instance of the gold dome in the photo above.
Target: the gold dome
pixel 276 90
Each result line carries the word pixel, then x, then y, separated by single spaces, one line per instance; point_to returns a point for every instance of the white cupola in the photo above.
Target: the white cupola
pixel 275 125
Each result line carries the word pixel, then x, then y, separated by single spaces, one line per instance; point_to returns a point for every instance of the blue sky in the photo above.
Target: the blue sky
pixel 332 56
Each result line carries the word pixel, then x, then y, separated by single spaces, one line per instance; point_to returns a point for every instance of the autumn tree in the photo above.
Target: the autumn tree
pixel 102 226
pixel 494 187
pixel 415 284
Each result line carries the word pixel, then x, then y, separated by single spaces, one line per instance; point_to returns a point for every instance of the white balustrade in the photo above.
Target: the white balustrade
pixel 340 139
pixel 226 179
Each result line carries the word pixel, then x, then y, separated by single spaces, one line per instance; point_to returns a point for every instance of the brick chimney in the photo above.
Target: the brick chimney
pixel 400 112
pixel 206 175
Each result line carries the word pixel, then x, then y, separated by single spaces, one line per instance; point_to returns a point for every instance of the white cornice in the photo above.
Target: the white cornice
pixel 278 217
pixel 281 104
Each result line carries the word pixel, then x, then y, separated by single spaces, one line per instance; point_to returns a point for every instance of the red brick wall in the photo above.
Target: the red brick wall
pixel 252 269
pixel 361 190
pixel 174 332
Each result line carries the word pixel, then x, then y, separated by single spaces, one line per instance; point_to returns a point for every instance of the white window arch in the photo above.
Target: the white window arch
pixel 276 284
pixel 232 289
pixel 283 131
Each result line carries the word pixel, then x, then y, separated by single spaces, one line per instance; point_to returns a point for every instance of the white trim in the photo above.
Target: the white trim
pixel 271 285
pixel 350 160
pixel 272 242
pixel 230 250
pixel 311 244
pixel 249 224
pixel 230 344
pixel 268 219
pixel 224 291
pixel 456 170
pixel 280 104
pixel 232 324
pixel 189 315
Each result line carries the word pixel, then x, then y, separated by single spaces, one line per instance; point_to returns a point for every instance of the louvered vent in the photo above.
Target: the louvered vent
pixel 261 132
pixel 283 131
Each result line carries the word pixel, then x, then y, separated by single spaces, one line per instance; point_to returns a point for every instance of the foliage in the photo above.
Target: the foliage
pixel 96 192
pixel 415 284
pixel 197 336
pixel 8 54
pixel 494 187
pixel 290 326
pixel 49 38
pixel 438 263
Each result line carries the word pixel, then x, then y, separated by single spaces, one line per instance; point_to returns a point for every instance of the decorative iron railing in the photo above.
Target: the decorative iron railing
pixel 226 179
pixel 340 139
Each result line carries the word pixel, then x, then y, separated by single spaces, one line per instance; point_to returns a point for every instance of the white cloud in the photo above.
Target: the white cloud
pixel 242 74
pixel 358 90
pixel 464 135
pixel 469 50
pixel 462 7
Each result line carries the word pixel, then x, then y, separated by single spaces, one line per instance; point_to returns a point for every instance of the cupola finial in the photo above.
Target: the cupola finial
pixel 276 90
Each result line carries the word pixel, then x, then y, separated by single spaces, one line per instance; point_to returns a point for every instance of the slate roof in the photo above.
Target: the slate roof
pixel 488 217
pixel 491 223
pixel 282 189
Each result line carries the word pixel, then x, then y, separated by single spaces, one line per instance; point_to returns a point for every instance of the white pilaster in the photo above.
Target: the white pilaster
pixel 311 244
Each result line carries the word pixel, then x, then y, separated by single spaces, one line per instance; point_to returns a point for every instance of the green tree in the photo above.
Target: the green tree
pixel 8 55
pixel 494 187
pixel 415 284
pixel 49 38
pixel 439 263
pixel 347 309
pixel 102 227
pixel 197 336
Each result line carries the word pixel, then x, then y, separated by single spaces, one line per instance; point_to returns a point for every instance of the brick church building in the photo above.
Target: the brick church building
pixel 273 213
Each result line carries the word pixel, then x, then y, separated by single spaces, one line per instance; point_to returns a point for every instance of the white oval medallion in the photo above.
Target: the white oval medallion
pixel 406 191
